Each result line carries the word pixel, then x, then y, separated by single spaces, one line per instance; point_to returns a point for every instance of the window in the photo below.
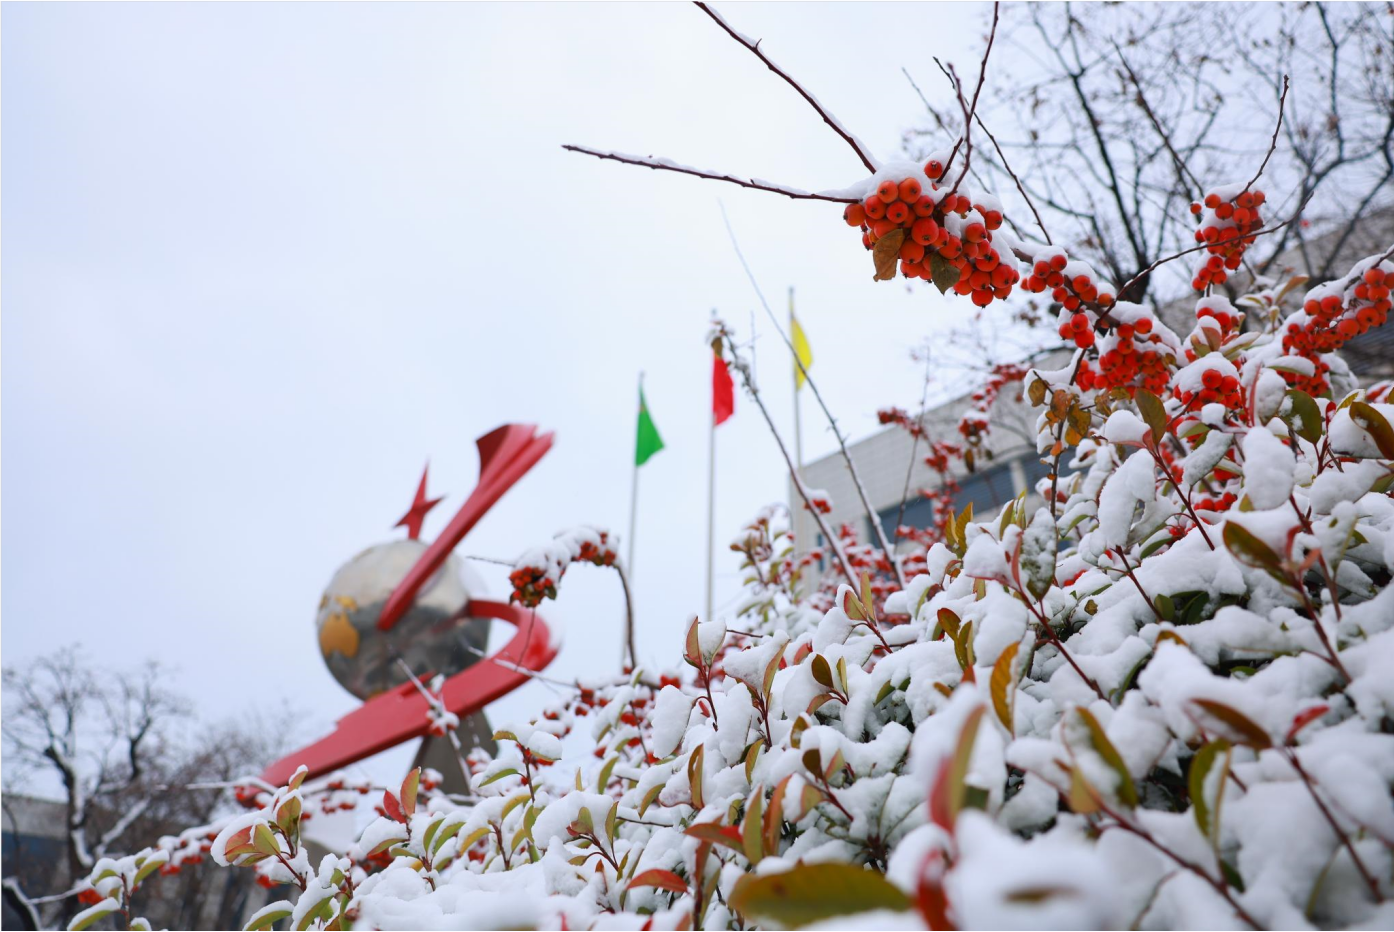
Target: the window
pixel 987 489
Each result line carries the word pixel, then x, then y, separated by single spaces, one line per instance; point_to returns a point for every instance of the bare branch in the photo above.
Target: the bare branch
pixel 1183 172
pixel 973 108
pixel 1273 145
pixel 671 166
pixel 828 118
pixel 1026 197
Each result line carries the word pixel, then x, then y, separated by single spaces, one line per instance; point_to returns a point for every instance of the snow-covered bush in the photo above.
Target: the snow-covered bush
pixel 1162 698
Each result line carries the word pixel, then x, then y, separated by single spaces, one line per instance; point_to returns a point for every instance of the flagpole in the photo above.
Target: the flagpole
pixel 711 505
pixel 634 496
pixel 798 427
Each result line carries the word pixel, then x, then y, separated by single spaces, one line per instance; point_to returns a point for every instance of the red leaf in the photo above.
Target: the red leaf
pixel 930 895
pixel 666 880
pixel 392 807
pixel 1302 719
pixel 728 835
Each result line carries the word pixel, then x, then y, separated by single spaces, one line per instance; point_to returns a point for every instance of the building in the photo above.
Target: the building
pixel 886 459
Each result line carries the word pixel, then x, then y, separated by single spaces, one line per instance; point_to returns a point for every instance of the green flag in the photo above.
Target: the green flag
pixel 646 440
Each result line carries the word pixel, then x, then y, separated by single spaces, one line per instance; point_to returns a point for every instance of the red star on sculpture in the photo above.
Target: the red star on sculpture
pixel 416 514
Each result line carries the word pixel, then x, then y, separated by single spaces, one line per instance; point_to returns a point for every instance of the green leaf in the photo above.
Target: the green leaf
pixel 149 866
pixel 506 772
pixel 263 840
pixel 963 645
pixel 1201 765
pixel 1302 414
pixel 1083 799
pixel 1127 792
pixel 410 786
pixel 943 272
pixel 320 910
pixel 812 893
pixel 822 673
pixel 752 827
pixel 1251 551
pixel 1153 413
pixel 387 843
pixel 694 775
pixel 268 915
pixel 92 914
pixel 1373 423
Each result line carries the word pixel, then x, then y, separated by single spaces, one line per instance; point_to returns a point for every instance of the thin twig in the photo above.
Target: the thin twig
pixel 1003 156
pixel 743 368
pixel 828 118
pixel 1273 144
pixel 973 108
pixel 871 514
pixel 668 165
pixel 914 444
pixel 1182 170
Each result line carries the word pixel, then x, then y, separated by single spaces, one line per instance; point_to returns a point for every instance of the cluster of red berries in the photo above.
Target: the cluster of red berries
pixel 1073 285
pixel 531 585
pixel 1216 387
pixel 1215 313
pixel 1227 225
pixel 1334 314
pixel 538 579
pixel 1223 503
pixel 901 417
pixel 950 225
pixel 1217 322
pixel 1132 357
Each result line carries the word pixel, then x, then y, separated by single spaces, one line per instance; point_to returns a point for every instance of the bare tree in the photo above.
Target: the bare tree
pixel 1122 114
pixel 121 750
pixel 96 732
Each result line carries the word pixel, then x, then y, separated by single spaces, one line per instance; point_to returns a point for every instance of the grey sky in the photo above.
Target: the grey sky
pixel 262 261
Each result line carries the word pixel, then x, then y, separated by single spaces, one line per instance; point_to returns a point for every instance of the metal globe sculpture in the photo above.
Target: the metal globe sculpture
pixel 435 635
pixel 413 603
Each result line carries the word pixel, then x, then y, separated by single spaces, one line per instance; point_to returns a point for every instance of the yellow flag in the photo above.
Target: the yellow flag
pixel 801 350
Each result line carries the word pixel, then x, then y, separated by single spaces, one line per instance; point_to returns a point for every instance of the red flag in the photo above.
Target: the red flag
pixel 723 391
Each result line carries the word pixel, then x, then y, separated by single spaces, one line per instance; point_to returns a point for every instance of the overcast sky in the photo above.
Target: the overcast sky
pixel 262 261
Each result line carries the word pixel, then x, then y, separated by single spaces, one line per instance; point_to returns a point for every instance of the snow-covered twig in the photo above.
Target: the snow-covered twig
pixel 669 165
pixel 1273 144
pixel 828 118
pixel 743 367
pixel 972 109
pixel 871 514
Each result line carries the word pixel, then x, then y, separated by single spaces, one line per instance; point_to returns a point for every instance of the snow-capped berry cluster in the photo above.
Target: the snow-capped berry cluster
pixel 1073 284
pixel 1335 313
pixel 538 572
pixel 1212 379
pixel 937 227
pixel 1227 219
pixel 1135 355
